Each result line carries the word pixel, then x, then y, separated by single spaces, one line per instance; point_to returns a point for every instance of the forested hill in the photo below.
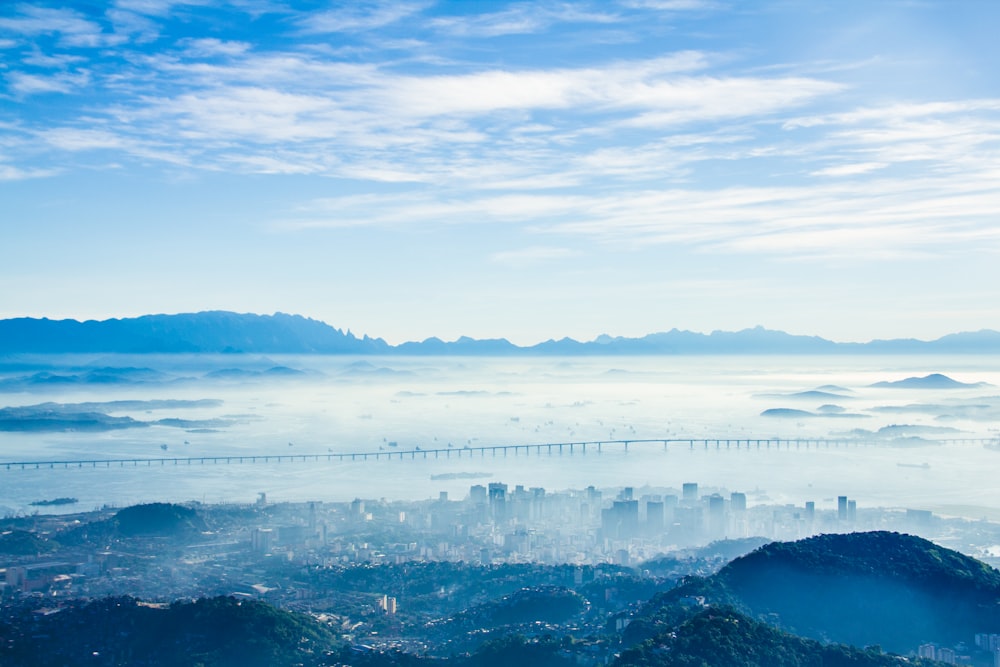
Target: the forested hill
pixel 726 638
pixel 227 332
pixel 124 631
pixel 897 591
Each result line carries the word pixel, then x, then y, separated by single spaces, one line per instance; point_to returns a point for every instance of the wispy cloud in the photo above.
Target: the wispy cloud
pixel 519 19
pixel 359 17
pixel 289 112
pixel 12 173
pixel 157 7
pixel 33 84
pixel 857 220
pixel 60 61
pixel 73 28
pixel 208 47
pixel 672 5
pixel 850 169
pixel 609 152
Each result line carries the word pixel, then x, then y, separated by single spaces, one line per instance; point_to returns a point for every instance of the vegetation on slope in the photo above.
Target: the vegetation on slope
pixel 210 632
pixel 866 588
pixel 719 637
pixel 164 519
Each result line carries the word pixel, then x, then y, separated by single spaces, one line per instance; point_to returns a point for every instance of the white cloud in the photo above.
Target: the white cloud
pixel 210 46
pixel 157 7
pixel 59 61
pixel 705 98
pixel 622 152
pixel 386 126
pixel 12 173
pixel 519 19
pixel 72 27
pixel 140 28
pixel 76 140
pixel 895 113
pixel 33 84
pixel 845 220
pixel 80 140
pixel 672 5
pixel 851 169
pixel 358 17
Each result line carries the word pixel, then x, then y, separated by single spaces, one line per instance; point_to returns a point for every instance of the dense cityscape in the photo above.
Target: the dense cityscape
pixel 391 576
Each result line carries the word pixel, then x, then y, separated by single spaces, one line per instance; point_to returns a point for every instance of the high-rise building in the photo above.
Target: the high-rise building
pixel 945 655
pixel 387 604
pixel 621 520
pixel 654 517
pixel 537 503
pixel 357 507
pixel 842 508
pixel 688 524
pixel 716 516
pixel 260 540
pixel 689 492
pixel 738 501
pixel 498 501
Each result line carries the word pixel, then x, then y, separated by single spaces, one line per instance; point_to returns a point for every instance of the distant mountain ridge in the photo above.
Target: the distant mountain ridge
pixel 220 332
pixel 204 332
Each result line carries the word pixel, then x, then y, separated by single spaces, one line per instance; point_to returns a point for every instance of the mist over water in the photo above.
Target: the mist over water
pixel 388 404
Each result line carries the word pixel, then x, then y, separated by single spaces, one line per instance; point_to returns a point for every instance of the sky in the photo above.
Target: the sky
pixel 527 170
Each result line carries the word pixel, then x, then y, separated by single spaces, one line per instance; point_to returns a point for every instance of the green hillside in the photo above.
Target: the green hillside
pixel 868 588
pixel 211 632
pixel 894 590
pixel 719 637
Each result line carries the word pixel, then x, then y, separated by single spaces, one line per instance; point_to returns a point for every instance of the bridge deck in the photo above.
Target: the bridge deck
pixel 548 448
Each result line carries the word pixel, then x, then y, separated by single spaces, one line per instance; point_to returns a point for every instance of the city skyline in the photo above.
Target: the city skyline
pixel 518 170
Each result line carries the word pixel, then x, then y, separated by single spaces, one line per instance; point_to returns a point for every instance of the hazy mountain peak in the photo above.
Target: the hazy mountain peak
pixel 931 381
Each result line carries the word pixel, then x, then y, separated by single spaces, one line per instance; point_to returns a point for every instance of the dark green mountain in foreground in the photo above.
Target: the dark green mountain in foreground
pixel 227 332
pixel 723 637
pixel 125 631
pixel 878 588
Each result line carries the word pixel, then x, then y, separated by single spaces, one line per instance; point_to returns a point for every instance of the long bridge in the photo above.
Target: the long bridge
pixel 539 449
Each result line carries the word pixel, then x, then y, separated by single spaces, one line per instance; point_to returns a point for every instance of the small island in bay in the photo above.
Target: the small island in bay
pixel 461 475
pixel 54 501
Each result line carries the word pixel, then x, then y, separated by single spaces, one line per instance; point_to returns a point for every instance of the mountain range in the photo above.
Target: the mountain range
pixel 216 332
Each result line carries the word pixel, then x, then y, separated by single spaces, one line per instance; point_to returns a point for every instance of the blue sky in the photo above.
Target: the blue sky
pixel 528 169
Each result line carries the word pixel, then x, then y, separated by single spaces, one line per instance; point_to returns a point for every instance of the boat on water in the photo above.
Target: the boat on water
pixel 923 466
